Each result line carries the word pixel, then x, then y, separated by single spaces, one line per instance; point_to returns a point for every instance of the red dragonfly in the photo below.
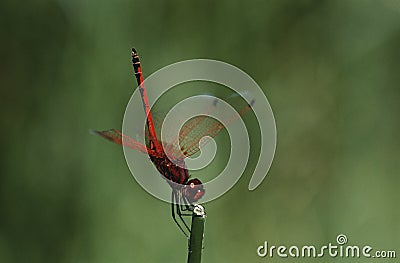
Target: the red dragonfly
pixel 185 191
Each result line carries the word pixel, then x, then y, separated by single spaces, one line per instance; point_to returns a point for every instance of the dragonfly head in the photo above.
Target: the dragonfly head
pixel 193 190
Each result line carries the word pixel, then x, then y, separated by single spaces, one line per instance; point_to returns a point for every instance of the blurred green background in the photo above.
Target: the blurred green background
pixel 329 68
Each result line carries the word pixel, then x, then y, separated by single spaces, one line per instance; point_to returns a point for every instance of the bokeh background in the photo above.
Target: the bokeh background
pixel 329 68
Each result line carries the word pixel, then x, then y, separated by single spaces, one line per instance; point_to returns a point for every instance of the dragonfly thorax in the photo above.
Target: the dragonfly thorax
pixel 175 171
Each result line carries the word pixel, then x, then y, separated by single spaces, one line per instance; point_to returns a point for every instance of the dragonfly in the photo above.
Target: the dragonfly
pixel 195 133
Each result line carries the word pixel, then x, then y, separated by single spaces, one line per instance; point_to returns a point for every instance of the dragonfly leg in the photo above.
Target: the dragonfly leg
pixel 173 199
pixel 180 214
pixel 178 210
pixel 186 206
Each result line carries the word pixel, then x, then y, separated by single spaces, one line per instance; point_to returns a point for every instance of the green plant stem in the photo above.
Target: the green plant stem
pixel 196 235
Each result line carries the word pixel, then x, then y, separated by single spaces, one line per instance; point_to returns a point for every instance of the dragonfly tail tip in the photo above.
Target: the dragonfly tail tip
pixel 215 102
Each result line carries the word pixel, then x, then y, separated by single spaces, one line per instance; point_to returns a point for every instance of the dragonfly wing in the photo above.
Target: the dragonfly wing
pixel 194 130
pixel 200 126
pixel 121 139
